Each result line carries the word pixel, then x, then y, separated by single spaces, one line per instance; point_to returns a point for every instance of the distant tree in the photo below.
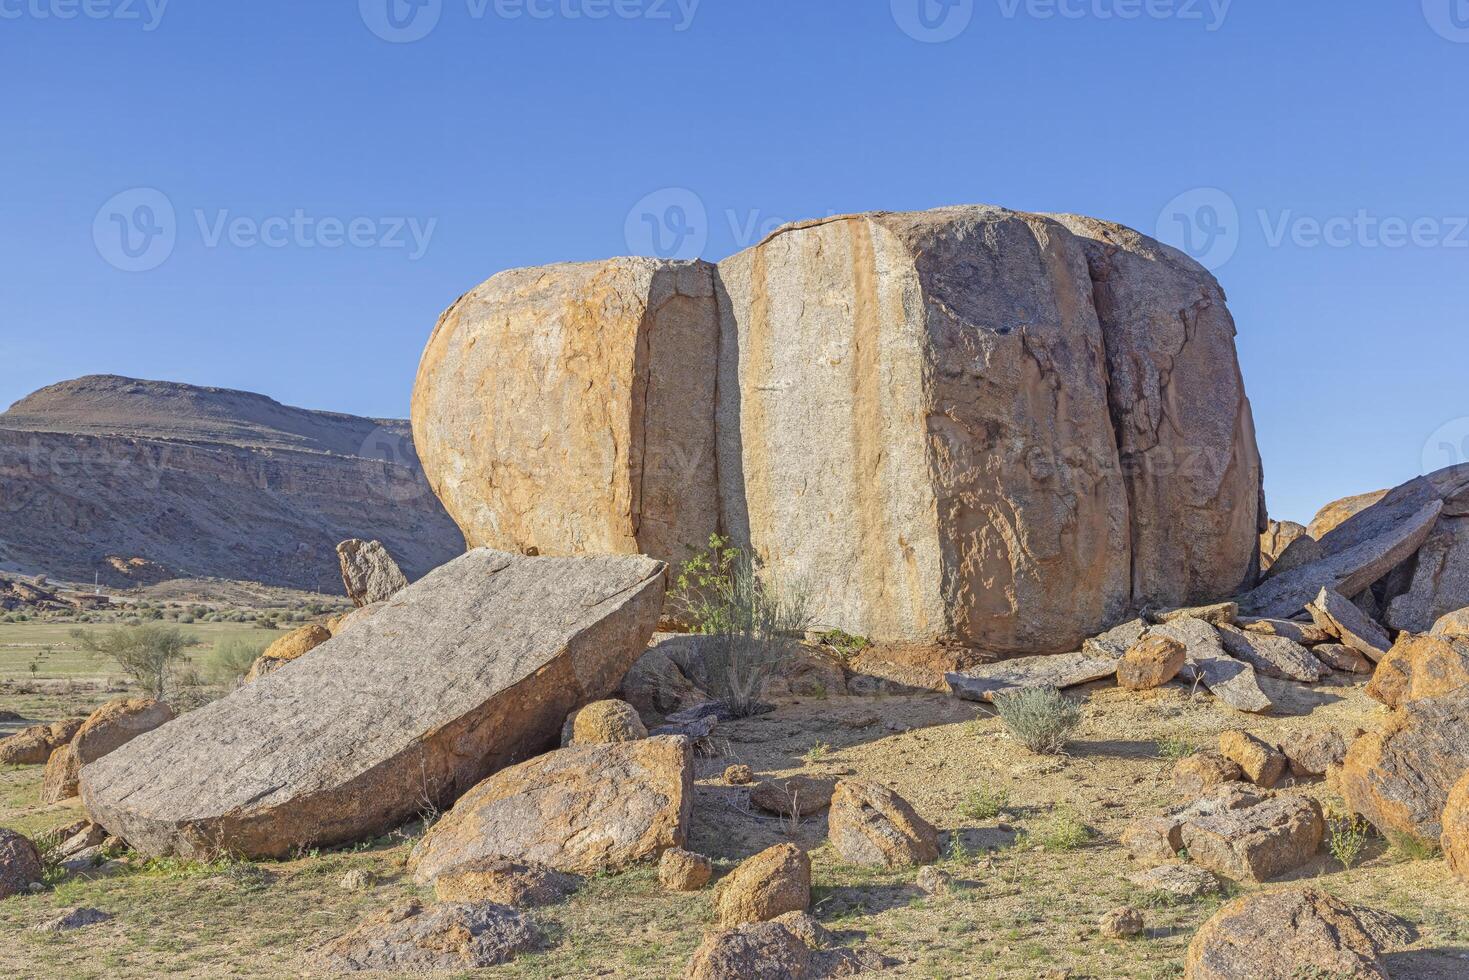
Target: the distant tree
pixel 149 654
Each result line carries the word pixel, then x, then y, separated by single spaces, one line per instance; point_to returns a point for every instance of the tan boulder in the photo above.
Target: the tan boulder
pixel 739 775
pixel 603 723
pixel 33 746
pixel 1455 836
pixel 20 863
pixel 411 938
pixel 1334 514
pixel 472 668
pixel 116 723
pixel 1152 662
pixel 1159 838
pixel 1399 778
pixel 1120 923
pixel 766 885
pixel 368 572
pixel 1312 753
pixel 1217 614
pixel 1278 536
pixel 684 871
pixel 1260 761
pixel 1339 616
pixel 1257 843
pixel 497 879
pixel 1453 624
pixel 1272 656
pixel 1196 774
pixel 570 409
pixel 62 776
pixel 1230 680
pixel 292 646
pixel 777 949
pixel 1420 666
pixel 870 824
pixel 793 795
pixel 583 810
pixel 1439 583
pixel 1306 634
pixel 1282 935
pixel 1339 656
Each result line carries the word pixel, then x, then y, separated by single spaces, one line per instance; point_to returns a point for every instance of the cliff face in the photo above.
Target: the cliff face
pixel 206 482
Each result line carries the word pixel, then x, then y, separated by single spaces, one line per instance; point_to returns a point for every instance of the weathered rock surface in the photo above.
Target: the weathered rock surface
pixel 585 809
pixel 1261 762
pixel 1058 671
pixel 470 669
pixel 1160 838
pixel 985 515
pixel 1231 681
pixel 870 824
pixel 1455 623
pixel 1420 666
pixel 1399 778
pixel 1153 662
pixel 684 871
pixel 1306 634
pixel 1339 616
pixel 369 573
pixel 33 746
pixel 656 684
pixel 1312 753
pixel 1116 641
pixel 1299 553
pixel 1273 656
pixel 409 938
pixel 1217 614
pixel 20 863
pixel 1196 774
pixel 1121 923
pixel 793 795
pixel 603 723
pixel 115 724
pixel 506 882
pixel 1363 554
pixel 1340 657
pixel 1278 536
pixel 1454 838
pixel 774 949
pixel 294 645
pixel 62 776
pixel 1257 843
pixel 1329 517
pixel 766 885
pixel 1182 880
pixel 1284 935
pixel 1440 580
pixel 207 483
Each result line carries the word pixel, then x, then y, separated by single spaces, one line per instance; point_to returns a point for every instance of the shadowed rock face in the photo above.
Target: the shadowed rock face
pixel 206 482
pixel 470 669
pixel 968 426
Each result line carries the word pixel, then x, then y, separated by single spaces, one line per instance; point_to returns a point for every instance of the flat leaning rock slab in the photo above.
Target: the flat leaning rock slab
pixel 1231 681
pixel 1340 617
pixel 471 669
pixel 1060 670
pixel 1273 656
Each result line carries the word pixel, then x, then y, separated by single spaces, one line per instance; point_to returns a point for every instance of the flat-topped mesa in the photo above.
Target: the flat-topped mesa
pixel 967 426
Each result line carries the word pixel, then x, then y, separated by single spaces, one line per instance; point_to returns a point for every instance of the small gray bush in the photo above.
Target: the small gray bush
pixel 1041 717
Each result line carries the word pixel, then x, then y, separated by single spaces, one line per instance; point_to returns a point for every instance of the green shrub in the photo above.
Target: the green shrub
pixel 232 659
pixel 152 655
pixel 985 803
pixel 1174 749
pixel 1040 717
pixel 1064 831
pixel 1348 840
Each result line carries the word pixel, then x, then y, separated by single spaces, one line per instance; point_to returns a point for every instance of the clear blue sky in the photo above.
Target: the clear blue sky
pixel 513 139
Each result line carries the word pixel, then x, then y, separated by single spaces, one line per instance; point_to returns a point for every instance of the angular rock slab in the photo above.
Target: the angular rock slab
pixel 1257 843
pixel 580 810
pixel 1294 932
pixel 1231 681
pixel 470 669
pixel 1400 778
pixel 1340 617
pixel 1273 656
pixel 369 572
pixel 1363 559
pixel 1058 671
pixel 409 938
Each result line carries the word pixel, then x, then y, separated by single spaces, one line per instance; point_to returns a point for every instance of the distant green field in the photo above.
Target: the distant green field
pixel 55 655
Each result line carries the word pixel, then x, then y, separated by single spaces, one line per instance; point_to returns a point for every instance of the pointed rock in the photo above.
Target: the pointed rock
pixel 1340 617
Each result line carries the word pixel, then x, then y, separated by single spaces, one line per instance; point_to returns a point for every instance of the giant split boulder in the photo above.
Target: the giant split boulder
pixel 970 425
pixel 471 669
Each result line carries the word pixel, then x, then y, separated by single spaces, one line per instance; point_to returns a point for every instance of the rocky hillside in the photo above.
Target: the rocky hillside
pixel 118 477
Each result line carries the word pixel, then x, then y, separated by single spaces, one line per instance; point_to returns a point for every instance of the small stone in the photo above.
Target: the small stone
pixel 293 646
pixel 1339 656
pixel 1182 880
pixel 771 883
pixel 1260 761
pixel 1194 775
pixel 1152 662
pixel 1219 614
pixel 793 795
pixel 357 881
pixel 684 871
pixel 1336 614
pixel 409 938
pixel 872 825
pixel 505 882
pixel 1311 753
pixel 1121 923
pixel 739 775
pixel 603 723
pixel 933 881
pixel 20 863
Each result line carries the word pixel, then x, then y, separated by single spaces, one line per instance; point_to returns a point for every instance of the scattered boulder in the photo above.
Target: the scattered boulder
pixel 1217 614
pixel 1230 680
pixel 1455 623
pixel 1121 923
pixel 1394 672
pixel 582 810
pixel 603 723
pixel 1433 666
pixel 1273 656
pixel 115 724
pixel 932 880
pixel 739 775
pixel 505 882
pixel 1306 634
pixel 62 776
pixel 1181 880
pixel 656 685
pixel 1257 843
pixel 20 863
pixel 88 836
pixel 468 670
pixel 1260 761
pixel 684 871
pixel 774 949
pixel 1312 753
pixel 1057 670
pixel 292 646
pixel 1339 656
pixel 1160 838
pixel 369 572
pixel 33 746
pixel 1283 934
pixel 1454 839
pixel 409 938
pixel 73 918
pixel 357 880
pixel 1196 774
pixel 798 796
pixel 771 883
pixel 870 824
pixel 1400 778
pixel 1152 662
pixel 1340 617
pixel 1116 641
pixel 1277 536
